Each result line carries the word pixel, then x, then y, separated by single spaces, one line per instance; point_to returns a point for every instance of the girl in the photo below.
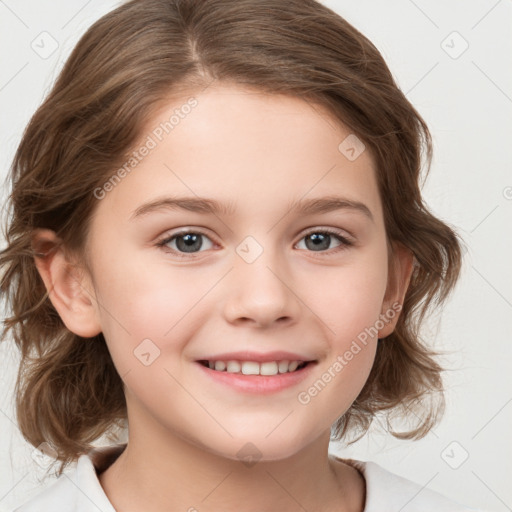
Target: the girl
pixel 218 245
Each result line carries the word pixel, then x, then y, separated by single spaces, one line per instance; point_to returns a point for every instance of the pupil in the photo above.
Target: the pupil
pixel 188 242
pixel 317 240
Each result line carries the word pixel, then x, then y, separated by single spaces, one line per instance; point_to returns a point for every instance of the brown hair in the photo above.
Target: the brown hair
pixel 68 392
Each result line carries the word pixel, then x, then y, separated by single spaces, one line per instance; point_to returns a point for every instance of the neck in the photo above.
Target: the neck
pixel 164 472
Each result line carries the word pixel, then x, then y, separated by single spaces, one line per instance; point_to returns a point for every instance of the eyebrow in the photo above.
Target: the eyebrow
pixel 211 206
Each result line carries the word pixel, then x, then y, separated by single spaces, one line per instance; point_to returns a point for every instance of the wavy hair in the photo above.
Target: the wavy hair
pixel 68 392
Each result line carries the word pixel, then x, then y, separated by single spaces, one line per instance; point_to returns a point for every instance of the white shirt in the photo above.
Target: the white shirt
pixel 81 491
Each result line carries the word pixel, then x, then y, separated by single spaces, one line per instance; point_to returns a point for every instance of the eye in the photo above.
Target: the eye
pixel 319 240
pixel 191 242
pixel 185 242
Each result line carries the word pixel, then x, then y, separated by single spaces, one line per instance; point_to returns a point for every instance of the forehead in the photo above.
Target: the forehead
pixel 246 148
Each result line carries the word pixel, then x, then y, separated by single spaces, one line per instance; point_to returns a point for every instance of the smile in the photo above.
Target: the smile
pixel 250 377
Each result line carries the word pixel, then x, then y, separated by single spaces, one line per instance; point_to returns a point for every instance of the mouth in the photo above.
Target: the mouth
pixel 268 368
pixel 244 373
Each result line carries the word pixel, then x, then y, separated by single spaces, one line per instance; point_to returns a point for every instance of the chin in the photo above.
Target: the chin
pixel 258 448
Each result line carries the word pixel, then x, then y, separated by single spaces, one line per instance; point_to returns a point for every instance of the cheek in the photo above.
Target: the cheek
pixel 350 309
pixel 350 313
pixel 150 304
pixel 350 300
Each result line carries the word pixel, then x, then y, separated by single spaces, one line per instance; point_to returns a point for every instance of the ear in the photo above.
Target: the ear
pixel 69 285
pixel 401 266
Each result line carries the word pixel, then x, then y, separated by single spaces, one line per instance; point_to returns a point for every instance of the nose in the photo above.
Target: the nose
pixel 261 293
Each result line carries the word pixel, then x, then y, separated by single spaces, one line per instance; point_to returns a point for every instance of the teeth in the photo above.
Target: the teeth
pixel 250 368
pixel 233 367
pixel 283 366
pixel 255 368
pixel 293 366
pixel 268 368
pixel 220 365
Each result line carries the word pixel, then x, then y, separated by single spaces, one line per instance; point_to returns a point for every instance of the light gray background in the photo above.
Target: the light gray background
pixel 466 98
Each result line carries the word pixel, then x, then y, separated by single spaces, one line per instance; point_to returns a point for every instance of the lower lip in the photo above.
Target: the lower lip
pixel 259 384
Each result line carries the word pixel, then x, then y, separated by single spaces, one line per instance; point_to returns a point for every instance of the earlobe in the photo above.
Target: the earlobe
pixel 68 285
pixel 400 272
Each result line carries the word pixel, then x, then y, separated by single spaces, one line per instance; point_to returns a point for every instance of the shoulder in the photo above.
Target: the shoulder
pixel 76 491
pixel 391 492
pixel 59 496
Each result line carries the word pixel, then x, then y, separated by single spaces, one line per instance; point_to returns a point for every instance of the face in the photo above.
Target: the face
pixel 265 270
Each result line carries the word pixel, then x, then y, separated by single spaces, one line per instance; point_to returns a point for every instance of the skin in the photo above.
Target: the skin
pixel 260 152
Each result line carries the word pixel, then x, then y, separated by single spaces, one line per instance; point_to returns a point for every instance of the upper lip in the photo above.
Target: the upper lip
pixel 246 355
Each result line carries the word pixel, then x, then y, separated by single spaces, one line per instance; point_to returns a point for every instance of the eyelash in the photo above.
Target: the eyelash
pixel 345 242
